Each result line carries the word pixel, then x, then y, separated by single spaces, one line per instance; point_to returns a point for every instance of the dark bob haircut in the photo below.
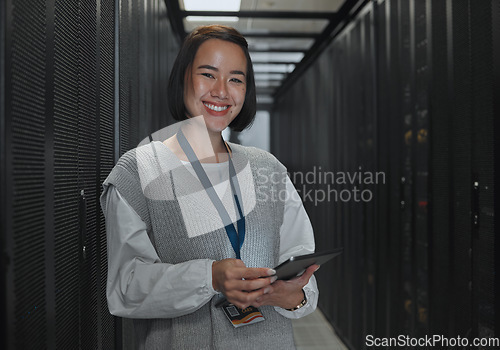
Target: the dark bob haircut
pixel 186 57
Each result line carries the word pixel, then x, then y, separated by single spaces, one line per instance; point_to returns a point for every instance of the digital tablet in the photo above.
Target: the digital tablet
pixel 296 265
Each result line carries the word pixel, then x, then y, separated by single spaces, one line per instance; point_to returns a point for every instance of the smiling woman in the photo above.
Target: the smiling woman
pixel 190 248
pixel 221 44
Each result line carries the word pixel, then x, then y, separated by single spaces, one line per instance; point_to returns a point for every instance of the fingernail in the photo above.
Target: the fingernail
pixel 267 290
pixel 317 268
pixel 271 272
pixel 274 278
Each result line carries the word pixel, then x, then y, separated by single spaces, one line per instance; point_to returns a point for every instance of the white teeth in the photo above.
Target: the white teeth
pixel 215 108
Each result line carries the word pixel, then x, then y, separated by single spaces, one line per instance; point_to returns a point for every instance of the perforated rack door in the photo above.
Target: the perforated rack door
pixel 26 171
pixel 106 64
pixel 66 186
pixel 58 147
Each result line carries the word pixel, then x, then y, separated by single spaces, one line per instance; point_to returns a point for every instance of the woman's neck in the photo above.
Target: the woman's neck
pixel 209 147
pixel 218 145
pixel 219 151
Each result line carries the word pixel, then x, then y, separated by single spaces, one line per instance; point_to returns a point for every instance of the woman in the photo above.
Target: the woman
pixel 183 233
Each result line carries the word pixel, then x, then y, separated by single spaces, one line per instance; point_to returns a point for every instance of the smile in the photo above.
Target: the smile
pixel 215 108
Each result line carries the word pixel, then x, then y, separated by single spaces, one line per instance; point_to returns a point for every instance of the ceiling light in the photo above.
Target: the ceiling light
pixel 276 57
pixel 269 76
pixel 273 68
pixel 265 99
pixel 211 19
pixel 212 5
pixel 267 83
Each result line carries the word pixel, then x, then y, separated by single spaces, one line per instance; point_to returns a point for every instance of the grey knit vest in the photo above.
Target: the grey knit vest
pixel 156 184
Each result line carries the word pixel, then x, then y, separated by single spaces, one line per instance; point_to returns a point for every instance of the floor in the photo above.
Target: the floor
pixel 314 332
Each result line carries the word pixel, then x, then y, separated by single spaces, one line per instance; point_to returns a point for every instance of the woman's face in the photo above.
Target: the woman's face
pixel 215 84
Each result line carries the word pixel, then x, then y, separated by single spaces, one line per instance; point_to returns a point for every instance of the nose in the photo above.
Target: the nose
pixel 219 89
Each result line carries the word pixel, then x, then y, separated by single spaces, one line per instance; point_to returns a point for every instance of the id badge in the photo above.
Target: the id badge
pixel 240 318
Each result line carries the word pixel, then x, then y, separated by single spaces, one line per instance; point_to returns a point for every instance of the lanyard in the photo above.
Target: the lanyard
pixel 236 238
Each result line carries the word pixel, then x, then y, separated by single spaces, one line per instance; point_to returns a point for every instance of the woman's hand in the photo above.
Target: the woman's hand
pixel 240 284
pixel 286 294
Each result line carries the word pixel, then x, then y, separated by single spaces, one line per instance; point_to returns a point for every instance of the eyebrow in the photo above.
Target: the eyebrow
pixel 206 66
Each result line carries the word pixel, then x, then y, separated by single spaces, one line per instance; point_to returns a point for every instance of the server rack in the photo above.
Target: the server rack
pixel 65 68
pixel 406 89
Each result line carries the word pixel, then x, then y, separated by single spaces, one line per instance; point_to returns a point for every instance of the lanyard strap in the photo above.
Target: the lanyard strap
pixel 235 237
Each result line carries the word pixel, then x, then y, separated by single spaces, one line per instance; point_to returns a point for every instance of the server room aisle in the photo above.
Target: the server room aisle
pixel 314 332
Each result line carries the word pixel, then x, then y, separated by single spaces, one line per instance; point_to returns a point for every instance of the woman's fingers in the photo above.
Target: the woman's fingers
pixel 304 278
pixel 244 299
pixel 241 285
pixel 247 273
pixel 256 272
pixel 251 285
pixel 224 270
pixel 286 294
pixel 261 292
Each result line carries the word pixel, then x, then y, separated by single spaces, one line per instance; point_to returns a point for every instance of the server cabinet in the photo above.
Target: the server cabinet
pixel 81 83
pixel 57 143
pixel 406 90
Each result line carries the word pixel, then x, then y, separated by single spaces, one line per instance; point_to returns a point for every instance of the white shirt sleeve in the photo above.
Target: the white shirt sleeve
pixel 139 285
pixel 297 238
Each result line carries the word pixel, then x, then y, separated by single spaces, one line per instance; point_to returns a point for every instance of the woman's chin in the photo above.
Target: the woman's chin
pixel 215 125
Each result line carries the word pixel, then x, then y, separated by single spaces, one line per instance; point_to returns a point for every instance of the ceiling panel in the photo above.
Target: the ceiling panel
pixel 265 99
pixel 276 43
pixel 285 25
pixel 292 5
pixel 267 83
